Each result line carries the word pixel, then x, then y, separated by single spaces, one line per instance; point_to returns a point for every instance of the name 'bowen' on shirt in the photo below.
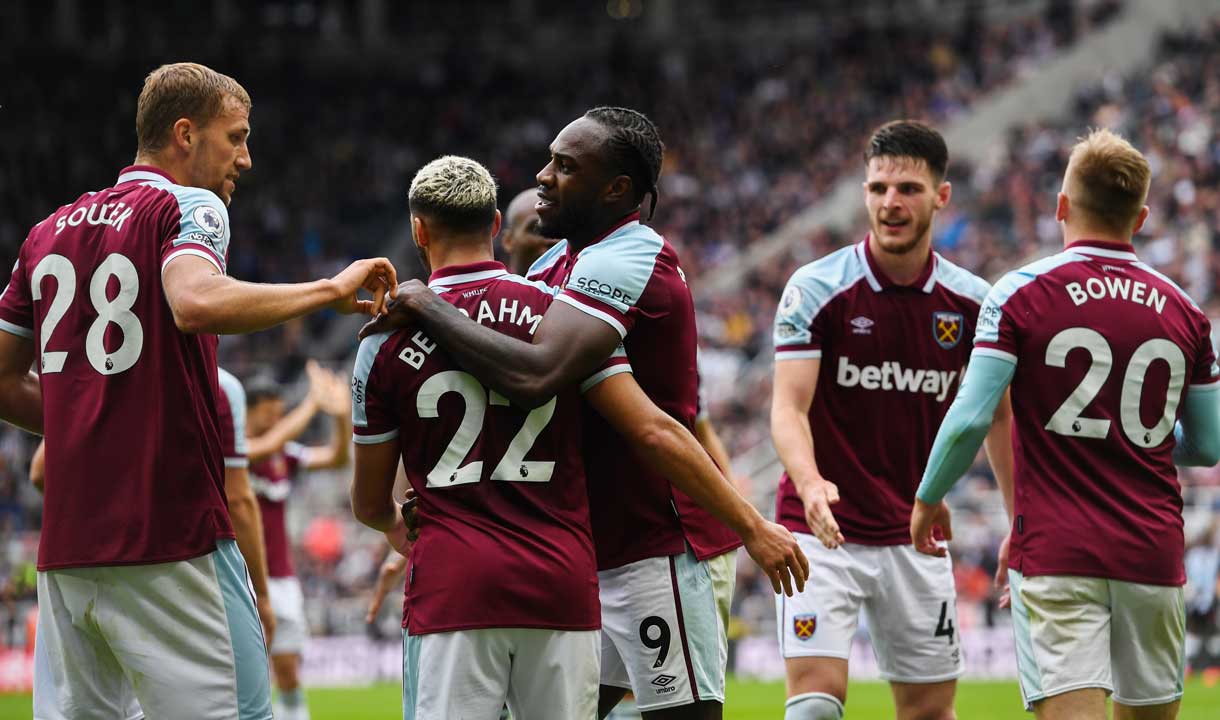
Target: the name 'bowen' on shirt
pixel 1116 289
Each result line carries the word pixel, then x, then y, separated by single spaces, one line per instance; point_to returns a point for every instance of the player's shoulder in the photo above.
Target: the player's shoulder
pixel 517 284
pixel 829 274
pixel 371 347
pixel 959 280
pixel 634 244
pixel 547 260
pixel 1010 284
pixel 1187 301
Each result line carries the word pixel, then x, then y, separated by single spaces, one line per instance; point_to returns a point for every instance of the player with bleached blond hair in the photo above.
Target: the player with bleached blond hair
pixel 118 298
pixel 1114 382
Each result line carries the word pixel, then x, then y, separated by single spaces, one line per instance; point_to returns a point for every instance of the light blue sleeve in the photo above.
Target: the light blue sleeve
pixel 236 395
pixel 1198 429
pixel 966 424
pixel 203 226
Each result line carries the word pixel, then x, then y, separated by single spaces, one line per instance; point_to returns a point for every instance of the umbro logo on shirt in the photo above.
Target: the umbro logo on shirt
pixel 862 326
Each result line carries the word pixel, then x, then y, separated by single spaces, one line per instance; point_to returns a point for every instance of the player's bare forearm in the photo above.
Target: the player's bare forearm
pixel 794 384
pixel 373 485
pixel 20 391
pixel 289 428
pixel 671 450
pixel 38 467
pixel 205 301
pixel 248 526
pixel 567 347
pixel 998 445
pixel 707 436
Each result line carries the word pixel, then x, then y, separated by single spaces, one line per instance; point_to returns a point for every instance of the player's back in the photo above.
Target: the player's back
pixel 1106 349
pixel 504 519
pixel 134 464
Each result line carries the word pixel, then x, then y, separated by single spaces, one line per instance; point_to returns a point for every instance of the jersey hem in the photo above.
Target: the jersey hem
pixel 459 627
pixel 717 551
pixel 192 251
pixel 678 545
pixel 1179 580
pixel 15 329
pixel 849 537
pixel 73 564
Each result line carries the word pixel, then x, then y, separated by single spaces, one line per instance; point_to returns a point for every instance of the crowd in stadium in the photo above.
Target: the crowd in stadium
pixel 751 138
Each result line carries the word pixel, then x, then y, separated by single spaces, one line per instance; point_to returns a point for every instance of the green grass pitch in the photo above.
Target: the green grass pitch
pixel 747 700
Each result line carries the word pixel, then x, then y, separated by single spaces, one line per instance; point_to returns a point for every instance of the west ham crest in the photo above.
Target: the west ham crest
pixel 805 625
pixel 947 328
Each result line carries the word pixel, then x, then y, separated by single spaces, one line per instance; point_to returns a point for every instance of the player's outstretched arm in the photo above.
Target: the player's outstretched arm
pixel 289 428
pixel 373 491
pixel 670 449
pixel 333 398
pixel 705 433
pixel 567 347
pixel 998 445
pixel 1198 430
pixel 248 527
pixel 203 300
pixel 792 395
pixel 957 442
pixel 20 391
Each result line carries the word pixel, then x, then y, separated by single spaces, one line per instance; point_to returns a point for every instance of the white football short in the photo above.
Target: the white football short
pixel 288 604
pixel 909 599
pixel 182 637
pixel 541 674
pixel 1073 632
pixel 662 637
pixel 723 569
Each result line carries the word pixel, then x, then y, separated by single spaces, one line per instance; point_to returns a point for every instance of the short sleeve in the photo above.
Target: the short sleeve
pixel 615 364
pixel 799 319
pixel 232 420
pixel 16 307
pixel 1205 372
pixel 202 227
pixel 609 279
pixel 373 417
pixel 996 331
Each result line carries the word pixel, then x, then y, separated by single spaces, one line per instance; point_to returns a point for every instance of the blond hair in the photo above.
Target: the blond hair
pixel 1107 180
pixel 455 191
pixel 181 90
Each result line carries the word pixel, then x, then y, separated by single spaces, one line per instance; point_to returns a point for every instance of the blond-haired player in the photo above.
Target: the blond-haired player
pixel 1113 383
pixel 118 297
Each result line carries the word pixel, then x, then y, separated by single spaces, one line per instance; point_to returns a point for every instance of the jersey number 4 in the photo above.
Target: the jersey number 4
pixel 1067 419
pixel 513 466
pixel 115 311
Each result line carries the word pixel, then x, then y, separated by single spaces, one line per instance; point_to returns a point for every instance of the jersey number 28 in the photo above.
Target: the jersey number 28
pixel 115 311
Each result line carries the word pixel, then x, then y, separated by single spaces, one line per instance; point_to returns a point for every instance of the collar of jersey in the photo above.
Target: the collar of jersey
pixel 878 280
pixel 462 274
pixel 144 173
pixel 1104 248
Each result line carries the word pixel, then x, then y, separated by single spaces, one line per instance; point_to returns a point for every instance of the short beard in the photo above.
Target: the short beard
pixel 565 224
pixel 921 229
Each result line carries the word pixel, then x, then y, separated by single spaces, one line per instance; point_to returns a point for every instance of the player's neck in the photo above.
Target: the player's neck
pixel 580 241
pixel 905 268
pixel 441 258
pixel 1073 234
pixel 174 170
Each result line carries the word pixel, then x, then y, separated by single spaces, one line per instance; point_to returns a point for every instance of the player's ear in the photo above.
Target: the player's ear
pixel 618 189
pixel 1139 220
pixel 495 225
pixel 943 193
pixel 419 231
pixel 1062 207
pixel 183 133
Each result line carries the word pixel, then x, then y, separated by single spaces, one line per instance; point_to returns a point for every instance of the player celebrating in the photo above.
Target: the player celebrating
pixel 1103 354
pixel 888 317
pixel 276 460
pixel 621 282
pixel 114 297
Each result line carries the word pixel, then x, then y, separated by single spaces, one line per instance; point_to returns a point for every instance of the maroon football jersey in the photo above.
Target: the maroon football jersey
pixel 631 279
pixel 272 479
pixel 1105 349
pixel 891 360
pixel 503 513
pixel 134 470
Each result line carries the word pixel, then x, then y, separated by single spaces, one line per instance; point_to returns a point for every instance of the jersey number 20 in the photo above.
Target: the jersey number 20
pixel 513 466
pixel 1068 421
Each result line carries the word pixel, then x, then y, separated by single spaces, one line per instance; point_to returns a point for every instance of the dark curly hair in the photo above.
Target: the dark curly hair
pixel 635 148
pixel 912 139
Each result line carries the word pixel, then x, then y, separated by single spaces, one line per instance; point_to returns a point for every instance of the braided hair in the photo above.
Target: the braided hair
pixel 635 148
